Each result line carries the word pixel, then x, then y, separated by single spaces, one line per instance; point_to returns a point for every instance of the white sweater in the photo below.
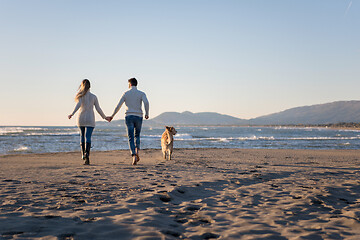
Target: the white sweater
pixel 133 100
pixel 86 117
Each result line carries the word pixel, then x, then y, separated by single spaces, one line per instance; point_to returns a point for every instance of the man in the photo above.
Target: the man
pixel 133 100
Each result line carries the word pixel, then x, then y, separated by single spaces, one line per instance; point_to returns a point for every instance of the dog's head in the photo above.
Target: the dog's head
pixel 171 130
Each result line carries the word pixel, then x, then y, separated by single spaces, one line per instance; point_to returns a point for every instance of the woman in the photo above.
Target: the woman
pixel 86 118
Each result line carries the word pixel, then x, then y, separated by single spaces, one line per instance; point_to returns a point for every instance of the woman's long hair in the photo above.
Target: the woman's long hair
pixel 83 89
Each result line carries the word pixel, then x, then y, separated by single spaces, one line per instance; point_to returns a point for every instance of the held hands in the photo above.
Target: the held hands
pixel 108 119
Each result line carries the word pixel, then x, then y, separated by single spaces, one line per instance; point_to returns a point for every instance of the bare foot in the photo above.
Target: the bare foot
pixel 137 154
pixel 134 160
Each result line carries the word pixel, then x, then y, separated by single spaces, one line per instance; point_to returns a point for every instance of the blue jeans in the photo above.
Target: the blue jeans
pixel 85 134
pixel 133 125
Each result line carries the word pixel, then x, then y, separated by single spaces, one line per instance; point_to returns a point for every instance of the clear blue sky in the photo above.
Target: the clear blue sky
pixel 242 58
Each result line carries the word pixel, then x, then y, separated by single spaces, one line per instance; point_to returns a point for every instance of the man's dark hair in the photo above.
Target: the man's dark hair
pixel 133 81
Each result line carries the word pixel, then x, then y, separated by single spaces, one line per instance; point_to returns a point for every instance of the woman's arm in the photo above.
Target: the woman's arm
pixel 75 109
pixel 98 108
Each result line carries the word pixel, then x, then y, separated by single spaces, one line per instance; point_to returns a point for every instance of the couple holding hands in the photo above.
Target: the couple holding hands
pixel 133 99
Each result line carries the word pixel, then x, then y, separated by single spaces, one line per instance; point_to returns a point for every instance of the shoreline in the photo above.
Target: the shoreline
pixel 200 194
pixel 197 149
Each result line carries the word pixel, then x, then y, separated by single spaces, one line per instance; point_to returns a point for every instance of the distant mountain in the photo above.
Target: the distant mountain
pixel 335 112
pixel 203 118
pixel 186 118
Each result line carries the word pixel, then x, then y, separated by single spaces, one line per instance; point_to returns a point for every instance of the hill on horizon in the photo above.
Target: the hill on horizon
pixel 187 118
pixel 335 112
pixel 202 118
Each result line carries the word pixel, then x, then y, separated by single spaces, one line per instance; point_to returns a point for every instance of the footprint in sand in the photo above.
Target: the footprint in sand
pixel 12 181
pixel 209 236
pixel 165 197
pixel 66 236
pixel 81 176
pixel 171 233
pixel 193 208
pixel 8 235
pixel 180 190
pixel 199 221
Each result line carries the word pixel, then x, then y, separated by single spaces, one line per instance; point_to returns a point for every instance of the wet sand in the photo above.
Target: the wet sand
pixel 200 194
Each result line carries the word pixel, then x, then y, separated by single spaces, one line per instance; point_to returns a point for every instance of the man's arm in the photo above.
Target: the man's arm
pixel 146 104
pixel 121 102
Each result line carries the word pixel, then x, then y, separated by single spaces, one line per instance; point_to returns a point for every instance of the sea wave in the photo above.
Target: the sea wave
pixel 321 138
pixel 21 149
pixel 11 130
pixel 188 137
pixel 53 134
pixel 183 136
pixel 23 139
pixel 32 131
pixel 151 136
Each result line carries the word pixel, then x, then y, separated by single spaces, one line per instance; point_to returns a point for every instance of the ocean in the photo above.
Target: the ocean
pixel 24 140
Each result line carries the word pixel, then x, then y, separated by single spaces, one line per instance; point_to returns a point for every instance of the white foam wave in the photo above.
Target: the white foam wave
pixel 10 130
pixel 21 149
pixel 322 138
pixel 254 138
pixel 183 136
pixel 299 128
pixel 224 140
pixel 53 134
pixel 14 130
pixel 35 129
pixel 151 136
pixel 349 130
pixel 266 138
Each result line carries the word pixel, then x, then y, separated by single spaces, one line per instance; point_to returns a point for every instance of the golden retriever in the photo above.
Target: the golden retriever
pixel 167 141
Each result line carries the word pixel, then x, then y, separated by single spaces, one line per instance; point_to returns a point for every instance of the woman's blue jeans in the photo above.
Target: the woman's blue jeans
pixel 133 125
pixel 85 134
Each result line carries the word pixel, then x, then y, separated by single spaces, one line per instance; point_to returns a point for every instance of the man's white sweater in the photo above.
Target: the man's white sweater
pixel 133 100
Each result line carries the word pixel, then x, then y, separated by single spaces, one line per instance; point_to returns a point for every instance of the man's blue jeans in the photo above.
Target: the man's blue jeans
pixel 133 125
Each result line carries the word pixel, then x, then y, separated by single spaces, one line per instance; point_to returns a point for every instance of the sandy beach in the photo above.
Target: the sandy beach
pixel 200 194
